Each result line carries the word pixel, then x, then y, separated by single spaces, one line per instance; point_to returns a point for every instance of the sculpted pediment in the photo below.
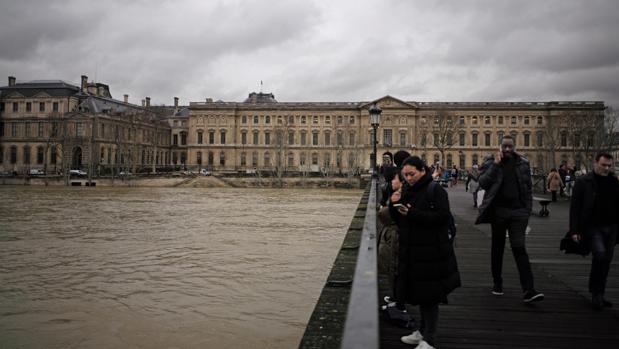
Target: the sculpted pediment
pixel 14 95
pixel 41 95
pixel 389 102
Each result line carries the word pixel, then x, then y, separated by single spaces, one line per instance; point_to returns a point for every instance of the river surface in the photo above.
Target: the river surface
pixel 165 267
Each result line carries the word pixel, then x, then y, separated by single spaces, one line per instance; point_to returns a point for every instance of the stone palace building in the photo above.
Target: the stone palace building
pixel 55 126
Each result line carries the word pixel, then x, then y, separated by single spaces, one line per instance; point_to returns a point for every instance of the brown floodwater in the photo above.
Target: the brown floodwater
pixel 165 267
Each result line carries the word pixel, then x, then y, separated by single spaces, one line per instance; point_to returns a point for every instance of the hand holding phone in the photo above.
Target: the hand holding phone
pixel 498 157
pixel 398 206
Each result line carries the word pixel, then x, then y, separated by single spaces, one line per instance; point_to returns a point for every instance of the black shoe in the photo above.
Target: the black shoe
pixel 598 302
pixel 497 290
pixel 532 296
pixel 606 303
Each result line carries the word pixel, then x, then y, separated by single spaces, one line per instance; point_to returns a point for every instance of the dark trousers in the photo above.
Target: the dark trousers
pixel 602 242
pixel 429 322
pixel 554 195
pixel 516 228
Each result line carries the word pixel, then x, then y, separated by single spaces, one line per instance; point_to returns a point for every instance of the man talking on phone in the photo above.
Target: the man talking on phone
pixel 506 178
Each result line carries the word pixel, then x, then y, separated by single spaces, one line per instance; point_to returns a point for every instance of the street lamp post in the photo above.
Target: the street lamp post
pixel 374 121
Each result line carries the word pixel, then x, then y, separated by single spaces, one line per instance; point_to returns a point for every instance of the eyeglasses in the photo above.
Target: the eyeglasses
pixel 410 174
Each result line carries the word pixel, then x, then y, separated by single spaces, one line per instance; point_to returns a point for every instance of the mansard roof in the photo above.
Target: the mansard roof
pixel 53 88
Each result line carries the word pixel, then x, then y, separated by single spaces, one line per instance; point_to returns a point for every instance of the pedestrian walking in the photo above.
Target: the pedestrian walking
pixel 473 183
pixel 506 179
pixel 430 271
pixel 594 218
pixel 554 183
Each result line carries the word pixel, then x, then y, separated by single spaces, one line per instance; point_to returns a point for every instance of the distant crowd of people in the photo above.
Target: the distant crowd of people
pixel 416 250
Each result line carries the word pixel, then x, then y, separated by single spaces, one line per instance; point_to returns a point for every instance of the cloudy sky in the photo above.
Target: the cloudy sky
pixel 319 50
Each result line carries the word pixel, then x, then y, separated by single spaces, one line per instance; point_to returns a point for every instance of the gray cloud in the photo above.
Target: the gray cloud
pixel 320 51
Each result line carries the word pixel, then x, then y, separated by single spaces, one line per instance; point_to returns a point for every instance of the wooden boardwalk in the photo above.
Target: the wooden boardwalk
pixel 474 318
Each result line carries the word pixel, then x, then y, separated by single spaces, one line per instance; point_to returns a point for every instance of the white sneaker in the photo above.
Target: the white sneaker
pixel 424 345
pixel 413 338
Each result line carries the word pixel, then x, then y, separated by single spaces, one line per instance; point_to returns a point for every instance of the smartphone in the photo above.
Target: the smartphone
pixel 399 205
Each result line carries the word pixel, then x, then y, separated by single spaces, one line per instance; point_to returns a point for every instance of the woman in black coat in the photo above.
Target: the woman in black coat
pixel 427 259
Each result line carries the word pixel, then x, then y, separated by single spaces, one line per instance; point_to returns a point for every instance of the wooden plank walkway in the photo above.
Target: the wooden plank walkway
pixel 475 318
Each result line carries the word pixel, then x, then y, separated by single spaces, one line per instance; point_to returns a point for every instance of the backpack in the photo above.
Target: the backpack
pixel 451 222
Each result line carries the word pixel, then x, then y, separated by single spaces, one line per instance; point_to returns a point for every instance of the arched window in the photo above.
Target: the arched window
pixel 254 159
pixel 267 119
pixel 211 157
pixel 40 155
pixel 222 158
pixel 200 136
pixel 256 119
pixel 26 154
pixel 290 159
pixel 13 155
pixel 302 159
pixel 314 158
pixel 327 160
pixel 244 119
pixel 199 158
pixel 243 159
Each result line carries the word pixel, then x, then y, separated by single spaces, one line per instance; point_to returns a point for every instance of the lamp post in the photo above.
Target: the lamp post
pixel 374 121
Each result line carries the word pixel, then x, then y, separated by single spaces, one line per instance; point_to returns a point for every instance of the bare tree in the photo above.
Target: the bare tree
pixel 444 128
pixel 589 132
pixel 552 139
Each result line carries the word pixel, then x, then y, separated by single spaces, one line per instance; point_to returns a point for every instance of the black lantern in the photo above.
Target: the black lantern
pixel 375 112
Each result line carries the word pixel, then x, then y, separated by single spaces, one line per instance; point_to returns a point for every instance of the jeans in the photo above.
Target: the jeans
pixel 429 322
pixel 602 243
pixel 516 228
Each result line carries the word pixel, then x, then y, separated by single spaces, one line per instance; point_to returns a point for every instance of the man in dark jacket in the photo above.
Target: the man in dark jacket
pixel 427 260
pixel 594 218
pixel 506 178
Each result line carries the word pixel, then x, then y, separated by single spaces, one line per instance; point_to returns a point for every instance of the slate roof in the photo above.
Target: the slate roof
pixel 53 88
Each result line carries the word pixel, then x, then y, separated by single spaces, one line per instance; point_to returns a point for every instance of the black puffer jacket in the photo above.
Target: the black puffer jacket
pixel 583 203
pixel 491 178
pixel 427 260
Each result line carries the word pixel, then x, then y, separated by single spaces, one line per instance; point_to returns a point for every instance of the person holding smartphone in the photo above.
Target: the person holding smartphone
pixel 506 179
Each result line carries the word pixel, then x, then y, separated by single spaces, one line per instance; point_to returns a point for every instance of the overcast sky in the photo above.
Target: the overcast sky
pixel 327 50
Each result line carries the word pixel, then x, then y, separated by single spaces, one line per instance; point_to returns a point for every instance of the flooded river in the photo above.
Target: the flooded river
pixel 165 267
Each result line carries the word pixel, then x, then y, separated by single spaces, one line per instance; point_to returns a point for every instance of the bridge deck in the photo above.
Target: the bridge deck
pixel 475 318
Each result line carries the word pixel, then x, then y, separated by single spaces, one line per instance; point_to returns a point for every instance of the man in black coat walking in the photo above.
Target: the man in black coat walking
pixel 594 218
pixel 506 178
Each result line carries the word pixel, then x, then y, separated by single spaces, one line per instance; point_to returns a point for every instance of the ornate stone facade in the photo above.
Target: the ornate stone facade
pixel 261 133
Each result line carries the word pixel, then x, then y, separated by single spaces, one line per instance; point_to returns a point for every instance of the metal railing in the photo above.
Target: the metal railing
pixel 361 330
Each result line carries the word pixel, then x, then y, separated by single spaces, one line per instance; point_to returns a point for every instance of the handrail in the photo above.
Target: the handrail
pixel 361 330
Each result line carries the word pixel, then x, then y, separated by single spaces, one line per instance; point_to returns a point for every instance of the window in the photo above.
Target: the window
pixel 526 120
pixel 267 119
pixel 14 129
pixel 462 160
pixel 351 160
pixel 327 160
pixel 487 121
pixel 290 119
pixel 303 120
pixel 352 120
pixel 267 138
pixel 564 139
pixel 387 137
pixel 211 137
pixel 13 155
pixel 222 137
pixel 291 138
pixel 15 107
pixel 315 138
pixel 42 107
pixel 302 159
pixel 314 158
pixel 475 159
pixel 28 107
pixel 461 120
pixel 474 139
pixel 40 155
pixel 222 158
pixel 327 138
pixel 527 140
pixel 514 120
pixel 256 138
pixel 55 106
pixel 1 154
pixel 540 120
pixel 267 159
pixel 244 119
pixel 255 119
pixel 79 129
pixel 243 159
pixel 487 139
pixel 474 120
pixel 243 138
pixel 290 159
pixel 515 137
pixel 402 138
pixel 210 158
pixel 26 154
pixel 328 120
pixel 351 139
pixel 303 137
pixel 279 120
pixel 254 159
pixel 183 138
pixel 27 128
pixel 500 120
pixel 315 120
pixel 461 142
pixel 200 134
pixel 436 139
pixel 199 157
pixel 339 120
pixel 500 137
pixel 175 139
pixel 540 139
pixel 449 161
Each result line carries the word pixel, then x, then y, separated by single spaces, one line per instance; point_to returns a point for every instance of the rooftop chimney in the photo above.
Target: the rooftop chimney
pixel 143 102
pixel 148 101
pixel 84 83
pixel 126 98
pixel 175 102
pixel 11 80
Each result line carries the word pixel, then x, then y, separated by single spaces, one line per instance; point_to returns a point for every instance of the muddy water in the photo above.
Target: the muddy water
pixel 164 267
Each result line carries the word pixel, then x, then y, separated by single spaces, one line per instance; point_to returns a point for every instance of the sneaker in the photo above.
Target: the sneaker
pixel 532 296
pixel 497 290
pixel 413 338
pixel 424 345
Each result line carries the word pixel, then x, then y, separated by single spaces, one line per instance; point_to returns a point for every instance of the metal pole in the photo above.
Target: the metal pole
pixel 374 162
